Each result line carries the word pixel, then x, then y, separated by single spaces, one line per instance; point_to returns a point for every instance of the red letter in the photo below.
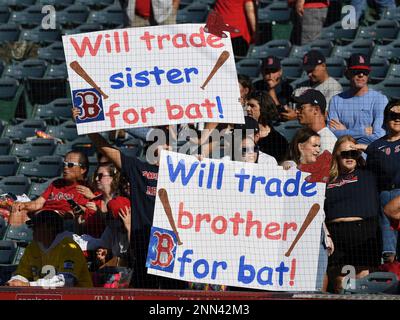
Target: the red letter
pixel 211 39
pixel 112 113
pixel 126 41
pixel 171 107
pixel 200 36
pixel 143 112
pixel 147 37
pixel 196 115
pixel 286 227
pixel 208 105
pixel 236 220
pixel 160 40
pixel 184 43
pixel 199 219
pixel 125 116
pixel 271 228
pixel 186 214
pixel 86 43
pixel 221 230
pixel 250 224
pixel 116 41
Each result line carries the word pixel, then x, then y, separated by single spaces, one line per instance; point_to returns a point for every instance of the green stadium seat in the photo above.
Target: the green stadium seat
pixel 44 90
pixel 53 53
pixel 336 33
pixel 379 69
pixel 110 17
pixel 84 144
pixel 4 14
pixel 63 149
pixel 279 48
pixel 18 255
pixel 73 15
pixel 390 51
pixel 393 72
pixel 8 166
pixel 11 93
pixel 41 36
pixel 3 227
pixel 249 67
pixel 37 189
pixel 274 22
pixel 21 234
pixel 95 4
pixel 193 13
pixel 30 17
pixel 383 31
pixel 336 67
pixel 58 4
pixel 5 146
pixel 43 168
pixel 18 4
pixel 83 28
pixel 23 130
pixel 389 87
pixel 9 32
pixel 27 68
pixel 66 131
pixel 53 112
pixel 34 148
pixel 16 185
pixel 292 68
pixel 8 249
pixel 57 71
pixel 375 283
pixel 363 46
pixel 392 14
pixel 93 163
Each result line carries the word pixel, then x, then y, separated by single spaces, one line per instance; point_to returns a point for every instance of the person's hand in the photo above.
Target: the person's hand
pixel 359 146
pixel 91 206
pixel 369 130
pixel 75 113
pixel 329 245
pixel 300 7
pixel 337 125
pixel 17 283
pixel 101 255
pixel 18 208
pixel 290 114
pixel 287 165
pixel 125 215
pixel 86 192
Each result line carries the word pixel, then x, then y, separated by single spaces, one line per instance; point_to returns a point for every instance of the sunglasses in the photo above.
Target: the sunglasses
pixel 101 175
pixel 350 154
pixel 394 116
pixel 72 164
pixel 249 150
pixel 359 72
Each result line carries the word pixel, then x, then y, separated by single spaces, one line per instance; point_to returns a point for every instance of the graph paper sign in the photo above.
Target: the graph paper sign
pixel 151 76
pixel 239 224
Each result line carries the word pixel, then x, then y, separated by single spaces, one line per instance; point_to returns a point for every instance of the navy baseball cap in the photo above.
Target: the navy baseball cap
pixel 311 59
pixel 358 61
pixel 312 96
pixel 271 64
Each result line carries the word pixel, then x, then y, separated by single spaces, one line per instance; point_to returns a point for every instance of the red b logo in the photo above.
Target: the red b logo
pixel 165 245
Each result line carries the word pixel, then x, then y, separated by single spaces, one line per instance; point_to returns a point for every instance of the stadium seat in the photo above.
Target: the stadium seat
pixel 92 166
pixel 44 167
pixel 24 129
pixel 16 185
pixel 279 48
pixel 375 283
pixel 379 69
pixel 5 146
pixel 336 33
pixel 21 234
pixel 84 144
pixel 389 87
pixel 324 46
pixel 18 255
pixel 3 227
pixel 27 68
pixel 298 52
pixel 34 148
pixel 110 17
pixel 301 82
pixel 390 51
pixel 8 166
pixel 11 93
pixel 40 35
pixel 8 249
pixel 249 67
pixel 274 22
pixel 37 188
pixel 363 46
pixel 63 149
pixel 95 4
pixel 43 91
pixel 54 111
pixel 292 68
pixel 336 67
pixel 391 14
pixel 195 12
pixel 58 4
pixel 393 72
pixel 288 129
pixel 9 32
pixel 18 4
pixel 344 82
pixel 29 17
pixel 54 53
pixel 4 14
pixel 57 71
pixel 66 131
pixel 383 31
pixel 83 28
pixel 73 15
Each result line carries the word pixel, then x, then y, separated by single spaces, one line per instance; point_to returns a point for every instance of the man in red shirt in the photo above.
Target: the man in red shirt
pixel 56 196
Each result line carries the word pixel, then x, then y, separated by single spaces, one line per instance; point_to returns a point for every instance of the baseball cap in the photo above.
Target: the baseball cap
pixel 311 59
pixel 358 61
pixel 114 205
pixel 313 97
pixel 48 216
pixel 271 64
pixel 249 124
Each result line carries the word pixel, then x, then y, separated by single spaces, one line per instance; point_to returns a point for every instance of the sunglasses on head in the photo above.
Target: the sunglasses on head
pixel 350 154
pixel 72 164
pixel 394 115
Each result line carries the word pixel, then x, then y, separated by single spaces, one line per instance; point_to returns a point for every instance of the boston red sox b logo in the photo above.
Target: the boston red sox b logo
pixel 90 103
pixel 162 248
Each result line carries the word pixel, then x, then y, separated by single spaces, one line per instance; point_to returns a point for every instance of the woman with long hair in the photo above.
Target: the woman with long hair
pixel 351 209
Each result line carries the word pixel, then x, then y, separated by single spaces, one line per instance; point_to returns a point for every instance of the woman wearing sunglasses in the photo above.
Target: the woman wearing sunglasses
pixel 351 209
pixel 384 160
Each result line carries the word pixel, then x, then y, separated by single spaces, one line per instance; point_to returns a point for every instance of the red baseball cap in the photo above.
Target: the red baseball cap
pixel 114 205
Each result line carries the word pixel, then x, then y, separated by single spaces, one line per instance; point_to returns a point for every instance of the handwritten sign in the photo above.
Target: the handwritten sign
pixel 237 224
pixel 151 76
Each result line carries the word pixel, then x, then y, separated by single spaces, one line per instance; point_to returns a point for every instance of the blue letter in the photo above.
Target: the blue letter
pixel 242 176
pixel 269 280
pixel 277 191
pixel 114 78
pixel 254 183
pixel 142 76
pixel 180 169
pixel 183 260
pixel 295 182
pixel 242 269
pixel 196 265
pixel 308 186
pixel 174 76
pixel 281 269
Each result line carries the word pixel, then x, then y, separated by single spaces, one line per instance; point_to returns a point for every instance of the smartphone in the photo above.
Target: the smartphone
pixel 75 207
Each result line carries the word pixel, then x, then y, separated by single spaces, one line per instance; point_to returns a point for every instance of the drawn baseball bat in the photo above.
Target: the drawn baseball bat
pixel 83 74
pixel 221 60
pixel 309 218
pixel 162 193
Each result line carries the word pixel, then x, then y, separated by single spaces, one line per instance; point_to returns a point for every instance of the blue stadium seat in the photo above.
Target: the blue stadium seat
pixel 45 90
pixel 18 255
pixel 58 4
pixel 18 4
pixel 66 131
pixel 292 68
pixel 392 14
pixel 34 148
pixel 382 31
pixel 393 72
pixel 275 11
pixel 44 167
pixel 390 51
pixel 344 82
pixel 24 129
pixel 25 69
pixel 40 35
pixel 9 32
pixel 249 67
pixel 4 14
pixel 300 82
pixel 379 69
pixel 193 13
pixel 110 17
pixel 11 93
pixel 8 166
pixel 73 15
pixel 5 146
pixel 54 111
pixel 279 48
pixel 3 227
pixel 324 46
pixel 37 189
pixel 16 185
pixel 57 71
pixel 288 129
pixel 83 28
pixel 21 234
pixel 336 67
pixel 8 249
pixel 298 52
pixel 95 4
pixel 53 53
pixel 84 144
pixel 336 33
pixel 363 46
pixel 29 17
pixel 375 283
pixel 389 87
